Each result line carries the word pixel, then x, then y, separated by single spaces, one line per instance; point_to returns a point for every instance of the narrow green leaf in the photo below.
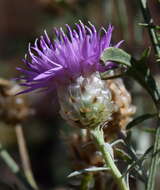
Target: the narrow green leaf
pixel 117 55
pixel 148 151
pixel 87 170
pixel 121 153
pixel 137 165
pixel 135 158
pixel 148 130
pixel 140 119
pixel 145 55
pixel 105 76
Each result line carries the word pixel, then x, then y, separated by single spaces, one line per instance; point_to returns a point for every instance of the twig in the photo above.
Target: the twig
pixel 14 167
pixel 154 161
pixel 24 156
pixel 151 30
pixel 153 35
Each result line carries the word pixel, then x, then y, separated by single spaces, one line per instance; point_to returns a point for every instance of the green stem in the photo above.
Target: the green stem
pixel 153 35
pixel 154 161
pixel 86 181
pixel 98 138
pixel 14 167
pixel 152 32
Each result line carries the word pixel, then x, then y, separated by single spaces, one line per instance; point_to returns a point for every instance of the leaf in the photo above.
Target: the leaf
pixel 148 130
pixel 116 55
pixel 136 165
pixel 105 76
pixel 145 55
pixel 140 71
pixel 91 169
pixel 121 153
pixel 140 119
pixel 148 151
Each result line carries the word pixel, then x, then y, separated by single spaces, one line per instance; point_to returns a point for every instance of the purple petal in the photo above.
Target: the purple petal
pixel 51 63
pixel 46 74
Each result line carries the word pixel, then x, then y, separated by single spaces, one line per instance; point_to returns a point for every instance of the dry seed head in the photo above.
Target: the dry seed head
pixel 13 109
pixel 125 110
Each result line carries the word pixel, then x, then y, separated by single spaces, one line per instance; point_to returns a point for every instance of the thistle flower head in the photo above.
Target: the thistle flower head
pixel 70 64
pixel 61 61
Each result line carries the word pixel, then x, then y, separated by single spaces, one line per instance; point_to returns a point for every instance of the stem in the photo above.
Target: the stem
pixel 98 137
pixel 151 30
pixel 154 161
pixel 86 181
pixel 14 167
pixel 24 156
pixel 153 35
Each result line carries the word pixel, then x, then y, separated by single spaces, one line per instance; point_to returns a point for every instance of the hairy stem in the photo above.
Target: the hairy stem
pixel 98 138
pixel 86 181
pixel 24 156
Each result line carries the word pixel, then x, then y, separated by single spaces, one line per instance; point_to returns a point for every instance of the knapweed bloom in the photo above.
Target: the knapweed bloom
pixel 70 64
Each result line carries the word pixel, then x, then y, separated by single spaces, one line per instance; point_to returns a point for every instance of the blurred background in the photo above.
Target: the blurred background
pixel 21 22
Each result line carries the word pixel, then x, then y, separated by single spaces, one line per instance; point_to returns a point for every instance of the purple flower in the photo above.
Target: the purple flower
pixel 61 61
